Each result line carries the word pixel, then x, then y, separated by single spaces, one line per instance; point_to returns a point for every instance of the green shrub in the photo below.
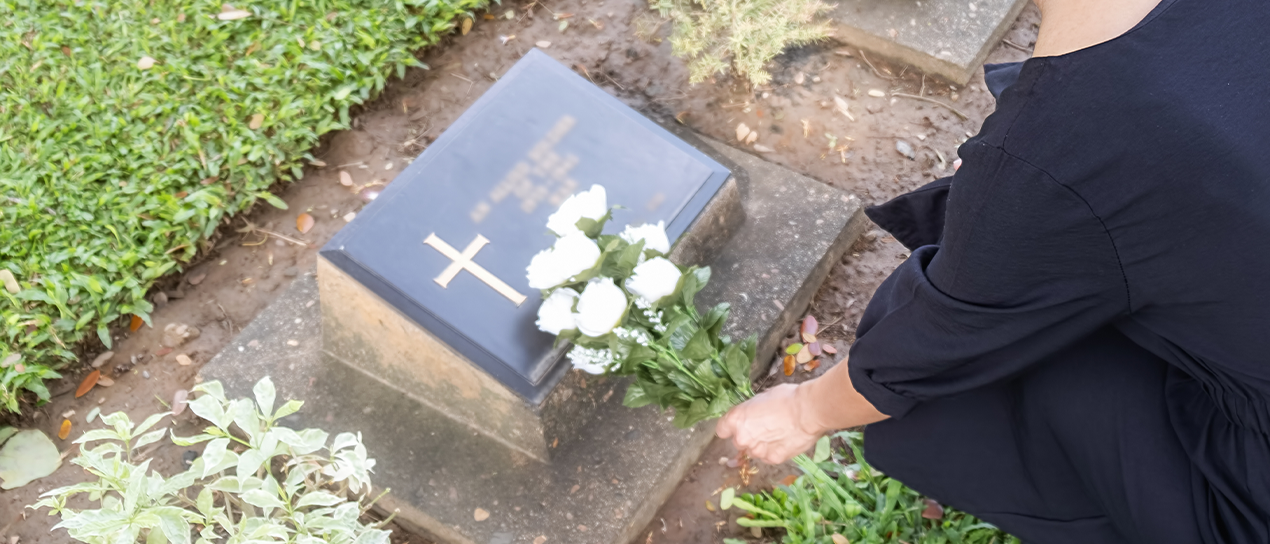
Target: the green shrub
pixel 286 486
pixel 743 34
pixel 838 501
pixel 112 173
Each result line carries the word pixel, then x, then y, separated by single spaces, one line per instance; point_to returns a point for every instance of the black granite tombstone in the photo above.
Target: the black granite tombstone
pixel 447 243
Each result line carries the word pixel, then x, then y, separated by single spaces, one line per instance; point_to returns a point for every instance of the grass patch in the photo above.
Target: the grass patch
pixel 129 130
pixel 841 498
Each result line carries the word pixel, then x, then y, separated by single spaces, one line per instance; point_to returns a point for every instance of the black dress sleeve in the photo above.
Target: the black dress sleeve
pixel 1024 269
pixel 915 218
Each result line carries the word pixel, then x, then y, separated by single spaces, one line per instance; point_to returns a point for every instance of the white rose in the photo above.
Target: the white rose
pixel 591 204
pixel 654 279
pixel 654 236
pixel 600 307
pixel 570 256
pixel 556 313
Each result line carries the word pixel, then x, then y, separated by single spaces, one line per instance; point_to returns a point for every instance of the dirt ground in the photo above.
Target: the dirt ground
pixel 609 42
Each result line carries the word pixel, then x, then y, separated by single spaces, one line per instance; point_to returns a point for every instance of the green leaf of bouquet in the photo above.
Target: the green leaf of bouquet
pixel 628 259
pixel 694 283
pixel 716 318
pixel 592 227
pixel 635 397
pixel 680 331
pixel 695 412
pixel 699 346
pixel 737 364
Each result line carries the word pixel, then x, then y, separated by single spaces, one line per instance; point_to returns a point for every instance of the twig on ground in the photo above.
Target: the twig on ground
pixel 610 78
pixel 584 71
pixel 1016 46
pixel 875 68
pixel 963 116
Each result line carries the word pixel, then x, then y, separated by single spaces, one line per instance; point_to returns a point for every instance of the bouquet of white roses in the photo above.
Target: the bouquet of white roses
pixel 629 311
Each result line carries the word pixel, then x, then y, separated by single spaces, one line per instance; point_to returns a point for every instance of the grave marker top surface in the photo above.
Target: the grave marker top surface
pixel 448 241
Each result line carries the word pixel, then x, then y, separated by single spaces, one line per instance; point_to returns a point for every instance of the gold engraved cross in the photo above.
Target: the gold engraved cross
pixel 463 261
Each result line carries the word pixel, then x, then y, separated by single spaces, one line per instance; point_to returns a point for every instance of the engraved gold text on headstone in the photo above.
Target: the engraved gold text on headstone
pixel 543 174
pixel 463 261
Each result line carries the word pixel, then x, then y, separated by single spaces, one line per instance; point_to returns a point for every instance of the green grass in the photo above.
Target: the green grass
pixel 857 503
pixel 111 176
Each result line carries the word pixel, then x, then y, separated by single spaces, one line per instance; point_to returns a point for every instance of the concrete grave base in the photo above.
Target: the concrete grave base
pixel 605 484
pixel 946 38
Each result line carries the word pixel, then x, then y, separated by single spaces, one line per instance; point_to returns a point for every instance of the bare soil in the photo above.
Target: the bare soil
pixel 619 45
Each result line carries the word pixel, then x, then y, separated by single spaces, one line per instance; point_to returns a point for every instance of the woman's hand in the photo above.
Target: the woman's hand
pixel 771 426
pixel 786 420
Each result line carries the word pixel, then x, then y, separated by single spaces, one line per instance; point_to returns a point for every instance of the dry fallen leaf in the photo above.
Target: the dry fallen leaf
pixel 789 480
pixel 184 360
pixel 346 179
pixel 102 359
pixel 233 15
pixel 179 401
pixel 466 27
pixel 162 351
pixel 136 323
pixel 709 506
pixel 839 539
pixel 10 282
pixel 815 348
pixel 933 510
pixel 803 356
pixel 12 358
pixel 145 63
pixel 65 431
pixel 828 348
pixel 543 44
pixel 88 383
pixel 813 365
pixel 810 326
pixel 763 149
pixel 480 514
pixel 842 107
pixel 789 365
pixel 741 132
pixel 256 120
pixel 752 137
pixel 488 16
pixel 105 381
pixel 196 278
pixel 304 223
pixel 543 538
pixel 806 128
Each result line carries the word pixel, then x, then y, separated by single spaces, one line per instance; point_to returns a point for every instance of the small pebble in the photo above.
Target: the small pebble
pixel 876 93
pixel 543 44
pixel 188 457
pixel 145 374
pixel 904 148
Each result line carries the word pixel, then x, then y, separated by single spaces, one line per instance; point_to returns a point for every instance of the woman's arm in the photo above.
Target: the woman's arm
pixel 786 420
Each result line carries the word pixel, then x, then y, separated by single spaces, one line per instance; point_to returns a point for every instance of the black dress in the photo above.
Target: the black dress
pixel 1078 349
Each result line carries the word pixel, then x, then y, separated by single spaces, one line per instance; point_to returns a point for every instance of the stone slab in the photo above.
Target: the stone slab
pixel 381 340
pixel 946 38
pixel 606 484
